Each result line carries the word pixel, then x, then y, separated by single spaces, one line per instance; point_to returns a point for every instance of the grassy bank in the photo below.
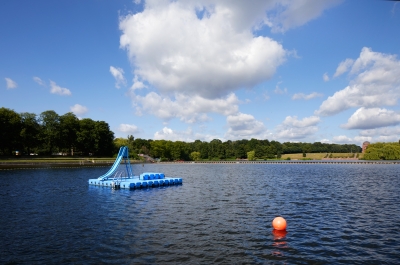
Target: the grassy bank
pixel 319 156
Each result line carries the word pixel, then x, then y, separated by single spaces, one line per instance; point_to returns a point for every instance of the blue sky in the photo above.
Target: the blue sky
pixel 299 71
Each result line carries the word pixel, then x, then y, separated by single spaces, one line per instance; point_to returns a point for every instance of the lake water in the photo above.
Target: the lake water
pixel 221 214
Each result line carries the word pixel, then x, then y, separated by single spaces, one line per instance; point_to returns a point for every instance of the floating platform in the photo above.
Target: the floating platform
pixel 145 180
pixel 126 180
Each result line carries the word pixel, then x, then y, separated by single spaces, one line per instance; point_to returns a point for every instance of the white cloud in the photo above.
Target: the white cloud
pixel 360 139
pixel 376 84
pixel 388 138
pixel 292 128
pixel 280 91
pixel 372 118
pixel 55 89
pixel 39 81
pixel 189 109
pixel 186 136
pixel 305 122
pixel 137 84
pixel 325 77
pixel 244 126
pixel 291 14
pixel 306 97
pixel 128 128
pixel 118 74
pixel 343 67
pixel 11 84
pixel 78 109
pixel 175 51
pixel 342 139
pixel 194 54
pixel 386 132
pixel 169 134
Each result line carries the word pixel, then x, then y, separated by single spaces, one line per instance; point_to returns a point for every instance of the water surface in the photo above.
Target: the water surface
pixel 221 214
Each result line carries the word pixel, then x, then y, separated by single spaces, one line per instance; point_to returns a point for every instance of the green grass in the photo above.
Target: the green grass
pixel 319 156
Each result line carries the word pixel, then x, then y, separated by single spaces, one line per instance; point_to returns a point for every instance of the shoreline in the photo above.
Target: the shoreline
pixel 81 164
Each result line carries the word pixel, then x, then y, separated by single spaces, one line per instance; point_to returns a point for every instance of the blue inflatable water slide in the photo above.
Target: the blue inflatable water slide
pixel 117 178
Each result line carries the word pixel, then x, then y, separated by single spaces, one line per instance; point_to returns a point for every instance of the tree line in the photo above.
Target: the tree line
pixel 49 133
pixel 228 150
pixel 384 151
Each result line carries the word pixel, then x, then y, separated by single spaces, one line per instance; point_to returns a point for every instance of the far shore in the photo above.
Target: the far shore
pixel 78 163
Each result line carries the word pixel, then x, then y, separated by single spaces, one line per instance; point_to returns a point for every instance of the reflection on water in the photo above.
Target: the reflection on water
pixel 221 214
pixel 279 241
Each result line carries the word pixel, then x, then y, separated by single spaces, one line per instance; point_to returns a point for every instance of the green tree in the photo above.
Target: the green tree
pixel 119 142
pixel 229 148
pixel 103 145
pixel 216 149
pixel 240 151
pixel 86 137
pixel 259 151
pixel 251 155
pixel 69 127
pixel 10 128
pixel 195 156
pixel 159 149
pixel 30 131
pixel 50 131
pixel 204 150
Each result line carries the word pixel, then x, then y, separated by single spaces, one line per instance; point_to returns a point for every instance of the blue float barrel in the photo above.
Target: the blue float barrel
pixel 146 177
pixel 156 183
pixel 138 184
pixel 151 176
pixel 150 183
pixel 162 176
pixel 144 184
pixel 131 185
pixel 161 182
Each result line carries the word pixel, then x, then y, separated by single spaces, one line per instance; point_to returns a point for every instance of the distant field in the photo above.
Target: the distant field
pixel 320 155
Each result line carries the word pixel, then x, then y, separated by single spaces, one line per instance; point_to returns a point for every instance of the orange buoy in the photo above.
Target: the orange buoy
pixel 279 223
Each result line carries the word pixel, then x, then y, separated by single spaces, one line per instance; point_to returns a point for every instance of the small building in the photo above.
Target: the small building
pixel 364 146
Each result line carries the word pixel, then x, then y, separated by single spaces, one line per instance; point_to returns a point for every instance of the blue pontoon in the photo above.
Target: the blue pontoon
pixel 117 179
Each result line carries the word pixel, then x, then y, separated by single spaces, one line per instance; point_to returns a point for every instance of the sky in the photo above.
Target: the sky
pixel 185 70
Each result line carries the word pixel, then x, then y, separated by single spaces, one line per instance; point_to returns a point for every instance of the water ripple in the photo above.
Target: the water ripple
pixel 221 215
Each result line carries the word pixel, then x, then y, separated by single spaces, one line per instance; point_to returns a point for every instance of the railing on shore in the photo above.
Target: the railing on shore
pixel 107 163
pixel 292 162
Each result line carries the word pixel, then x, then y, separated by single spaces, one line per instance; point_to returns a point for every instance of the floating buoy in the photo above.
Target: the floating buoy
pixel 279 223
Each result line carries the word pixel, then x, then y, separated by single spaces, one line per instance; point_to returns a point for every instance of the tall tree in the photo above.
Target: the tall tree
pixel 69 127
pixel 10 127
pixel 30 131
pixel 86 137
pixel 50 130
pixel 104 138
